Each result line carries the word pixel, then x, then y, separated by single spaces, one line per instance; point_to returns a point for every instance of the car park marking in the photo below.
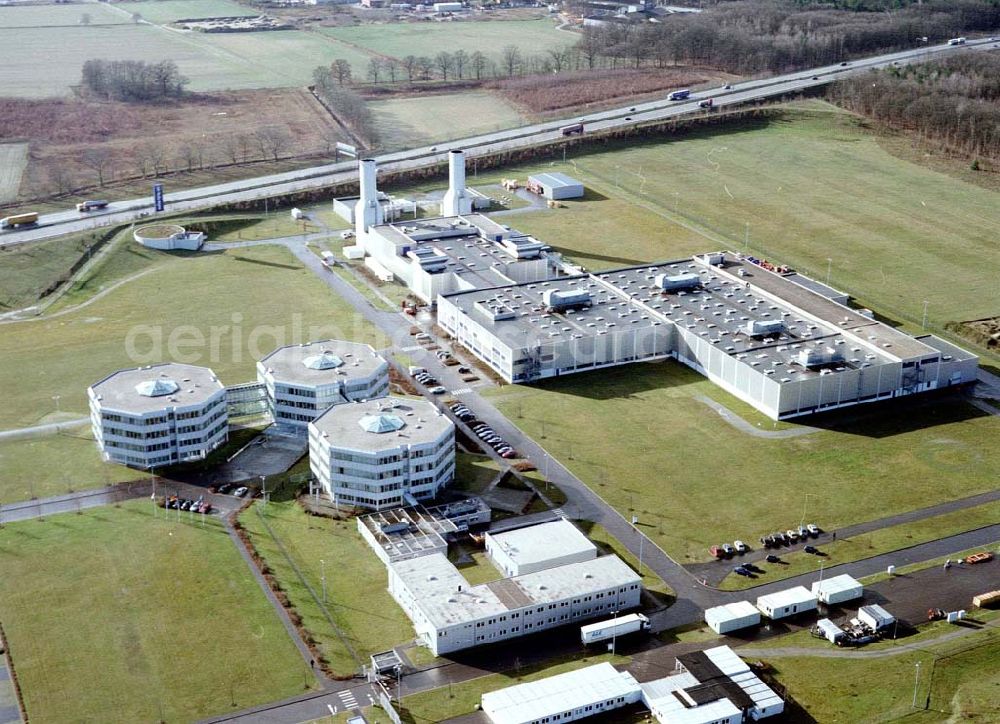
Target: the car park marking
pixel 410 349
pixel 347 696
pixel 462 391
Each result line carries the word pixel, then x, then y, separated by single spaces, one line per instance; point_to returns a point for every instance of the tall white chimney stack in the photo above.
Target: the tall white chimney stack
pixel 368 211
pixel 456 200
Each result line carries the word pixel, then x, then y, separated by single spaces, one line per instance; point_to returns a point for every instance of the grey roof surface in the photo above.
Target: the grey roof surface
pixel 288 364
pixel 539 543
pixel 555 179
pixel 118 390
pixel 422 424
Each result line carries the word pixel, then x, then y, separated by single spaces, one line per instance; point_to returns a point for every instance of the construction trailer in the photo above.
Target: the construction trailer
pixel 875 617
pixel 594 633
pixel 732 617
pixel 838 589
pixel 789 602
pixel 829 630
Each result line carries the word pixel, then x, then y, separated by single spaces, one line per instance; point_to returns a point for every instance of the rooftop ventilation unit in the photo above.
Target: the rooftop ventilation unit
pixel 816 357
pixel 762 328
pixel 556 299
pixel 672 282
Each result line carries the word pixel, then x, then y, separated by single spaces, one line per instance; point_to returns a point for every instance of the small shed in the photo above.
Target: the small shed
pixel 555 186
pixel 732 616
pixel 875 617
pixel 789 602
pixel 829 630
pixel 837 589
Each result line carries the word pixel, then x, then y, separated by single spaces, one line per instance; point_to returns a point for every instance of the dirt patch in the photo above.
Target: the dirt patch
pixel 984 332
pixel 77 144
pixel 542 93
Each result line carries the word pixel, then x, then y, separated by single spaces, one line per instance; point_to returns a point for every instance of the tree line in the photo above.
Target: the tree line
pixel 757 36
pixel 330 86
pixel 132 80
pixel 954 102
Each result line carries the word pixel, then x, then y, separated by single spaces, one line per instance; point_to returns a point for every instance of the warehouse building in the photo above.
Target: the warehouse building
pixel 303 380
pixel 837 589
pixel 382 453
pixel 732 617
pixel 789 602
pixel 776 344
pixel 555 186
pixel 158 415
pixel 564 697
pixel 537 547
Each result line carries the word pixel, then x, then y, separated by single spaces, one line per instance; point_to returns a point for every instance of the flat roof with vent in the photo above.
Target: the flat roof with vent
pixel 352 426
pixel 536 544
pixel 306 364
pixel 141 390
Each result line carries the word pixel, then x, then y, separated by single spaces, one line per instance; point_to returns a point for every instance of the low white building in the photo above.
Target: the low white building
pixel 303 380
pixel 537 547
pixel 837 589
pixel 158 415
pixel 789 602
pixel 564 697
pixel 382 453
pixel 449 615
pixel 732 617
pixel 555 186
pixel 875 617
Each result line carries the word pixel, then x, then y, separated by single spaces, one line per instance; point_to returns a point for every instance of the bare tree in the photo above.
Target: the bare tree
pixel 60 180
pixel 341 70
pixel 374 69
pixel 392 68
pixel 461 59
pixel 410 66
pixel 444 62
pixel 512 60
pixel 272 141
pixel 424 66
pixel 559 59
pixel 188 155
pixel 97 159
pixel 230 146
pixel 479 64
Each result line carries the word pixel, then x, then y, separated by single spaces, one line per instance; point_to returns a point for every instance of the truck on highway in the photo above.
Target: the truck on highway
pixel 956 41
pixel 91 205
pixel 680 95
pixel 594 633
pixel 575 128
pixel 707 104
pixel 12 222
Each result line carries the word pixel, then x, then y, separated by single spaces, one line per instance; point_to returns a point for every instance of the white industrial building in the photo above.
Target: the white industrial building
pixel 382 453
pixel 449 614
pixel 564 697
pixel 838 589
pixel 711 687
pixel 732 617
pixel 537 547
pixel 875 617
pixel 158 415
pixel 303 380
pixel 555 186
pixel 789 602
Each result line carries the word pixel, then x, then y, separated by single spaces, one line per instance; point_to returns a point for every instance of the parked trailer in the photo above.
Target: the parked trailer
pixel 606 630
pixel 574 129
pixel 987 600
pixel 91 205
pixel 11 222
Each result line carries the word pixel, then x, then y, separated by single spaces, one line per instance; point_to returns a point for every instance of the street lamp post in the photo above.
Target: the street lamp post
pixel 322 564
pixel 635 526
pixel 916 682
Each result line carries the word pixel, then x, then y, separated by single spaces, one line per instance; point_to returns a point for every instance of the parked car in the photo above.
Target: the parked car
pixel 205 508
pixel 811 549
pixel 422 337
pixel 716 552
pixel 741 571
pixel 803 532
pixel 740 547
pixel 791 535
pixel 437 390
pixel 240 491
pixel 753 568
pixel 509 454
pixel 772 559
pixel 727 86
pixel 463 370
pixel 813 529
pixel 728 550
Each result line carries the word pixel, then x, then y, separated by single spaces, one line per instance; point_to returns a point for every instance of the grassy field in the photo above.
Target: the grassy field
pixel 452 701
pixel 357 600
pixel 45 466
pixel 208 304
pixel 416 121
pixel 474 473
pixel 164 616
pixel 845 550
pixel 166 11
pixel 399 40
pixel 957 681
pixel 642 440
pixel 33 16
pixel 13 160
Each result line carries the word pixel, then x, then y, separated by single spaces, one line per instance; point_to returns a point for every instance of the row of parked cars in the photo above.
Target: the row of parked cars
pixel 236 489
pixel 195 506
pixel 775 540
pixel 427 380
pixel 483 431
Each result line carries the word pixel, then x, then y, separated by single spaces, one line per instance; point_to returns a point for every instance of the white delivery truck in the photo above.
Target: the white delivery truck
pixel 594 633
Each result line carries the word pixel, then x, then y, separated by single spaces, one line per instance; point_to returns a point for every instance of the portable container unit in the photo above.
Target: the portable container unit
pixel 789 602
pixel 830 631
pixel 732 617
pixel 875 617
pixel 594 633
pixel 837 589
pixel 987 600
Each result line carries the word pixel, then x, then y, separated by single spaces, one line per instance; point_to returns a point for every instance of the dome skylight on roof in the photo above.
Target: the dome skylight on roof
pixel 381 423
pixel 157 388
pixel 323 361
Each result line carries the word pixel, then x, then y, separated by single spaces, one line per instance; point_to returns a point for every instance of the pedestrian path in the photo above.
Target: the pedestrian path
pixel 9 711
pixel 348 698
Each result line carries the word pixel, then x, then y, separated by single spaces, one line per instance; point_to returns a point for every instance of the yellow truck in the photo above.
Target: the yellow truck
pixel 12 222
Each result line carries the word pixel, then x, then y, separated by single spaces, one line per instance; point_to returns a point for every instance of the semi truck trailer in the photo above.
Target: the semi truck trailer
pixel 606 630
pixel 12 222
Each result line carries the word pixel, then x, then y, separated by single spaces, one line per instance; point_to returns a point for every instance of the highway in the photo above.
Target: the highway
pixel 123 212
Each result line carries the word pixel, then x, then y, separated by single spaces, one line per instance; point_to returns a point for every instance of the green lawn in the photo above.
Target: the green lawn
pixel 357 600
pixel 608 544
pixel 451 701
pixel 643 441
pixel 419 120
pixel 119 616
pixel 222 309
pixel 399 40
pixel 961 678
pixel 477 570
pixel 28 16
pixel 845 550
pixel 474 473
